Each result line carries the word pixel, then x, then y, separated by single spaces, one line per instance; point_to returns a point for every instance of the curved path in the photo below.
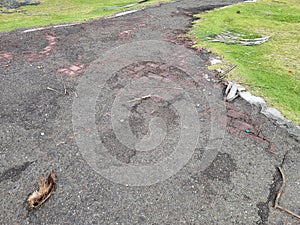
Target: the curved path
pixel 135 128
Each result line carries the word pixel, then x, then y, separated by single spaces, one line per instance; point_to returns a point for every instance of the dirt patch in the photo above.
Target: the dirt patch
pixel 72 70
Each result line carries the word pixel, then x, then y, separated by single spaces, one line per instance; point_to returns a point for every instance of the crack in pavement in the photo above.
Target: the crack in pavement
pixel 264 207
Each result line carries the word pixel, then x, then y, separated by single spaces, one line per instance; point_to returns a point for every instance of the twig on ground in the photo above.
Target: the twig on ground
pixel 65 89
pixel 254 85
pixel 281 188
pixel 228 71
pixel 76 95
pixel 141 98
pixel 60 143
pixel 52 89
pixel 64 84
pixel 276 205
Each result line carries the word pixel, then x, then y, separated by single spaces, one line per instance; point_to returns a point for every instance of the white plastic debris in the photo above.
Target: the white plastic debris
pixel 125 13
pixel 233 90
pixel 214 61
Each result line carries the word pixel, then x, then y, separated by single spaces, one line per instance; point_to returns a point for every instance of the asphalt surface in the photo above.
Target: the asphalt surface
pixel 135 128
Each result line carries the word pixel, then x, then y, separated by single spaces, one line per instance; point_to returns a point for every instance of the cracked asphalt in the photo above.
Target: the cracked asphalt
pixel 43 102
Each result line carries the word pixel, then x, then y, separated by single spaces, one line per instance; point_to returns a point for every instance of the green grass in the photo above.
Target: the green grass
pixel 274 64
pixel 51 12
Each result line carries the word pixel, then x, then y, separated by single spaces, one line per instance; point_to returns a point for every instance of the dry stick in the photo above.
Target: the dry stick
pixel 281 188
pixel 65 89
pixel 254 85
pixel 52 89
pixel 140 99
pixel 76 95
pixel 276 205
pixel 64 84
pixel 227 71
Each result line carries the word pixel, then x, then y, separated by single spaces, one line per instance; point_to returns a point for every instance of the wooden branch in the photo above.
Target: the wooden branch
pixel 228 71
pixel 254 85
pixel 276 205
pixel 141 98
pixel 289 212
pixel 281 188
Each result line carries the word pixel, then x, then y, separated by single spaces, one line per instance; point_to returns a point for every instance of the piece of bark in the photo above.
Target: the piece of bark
pixel 46 188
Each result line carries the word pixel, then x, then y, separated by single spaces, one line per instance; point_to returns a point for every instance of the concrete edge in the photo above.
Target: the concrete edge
pixel 272 113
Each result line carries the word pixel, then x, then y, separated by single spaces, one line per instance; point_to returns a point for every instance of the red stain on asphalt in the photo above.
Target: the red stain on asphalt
pixel 6 56
pixel 127 33
pixel 51 43
pixel 46 51
pixel 244 126
pixel 73 70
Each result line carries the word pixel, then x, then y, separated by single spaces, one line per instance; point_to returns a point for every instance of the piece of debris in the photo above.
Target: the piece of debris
pixel 64 92
pixel 214 61
pixel 276 205
pixel 141 98
pixel 52 89
pixel 233 90
pixel 236 38
pixel 125 13
pixel 220 71
pixel 224 73
pixel 46 188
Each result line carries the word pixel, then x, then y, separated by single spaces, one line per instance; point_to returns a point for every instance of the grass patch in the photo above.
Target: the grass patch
pixel 50 12
pixel 275 63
